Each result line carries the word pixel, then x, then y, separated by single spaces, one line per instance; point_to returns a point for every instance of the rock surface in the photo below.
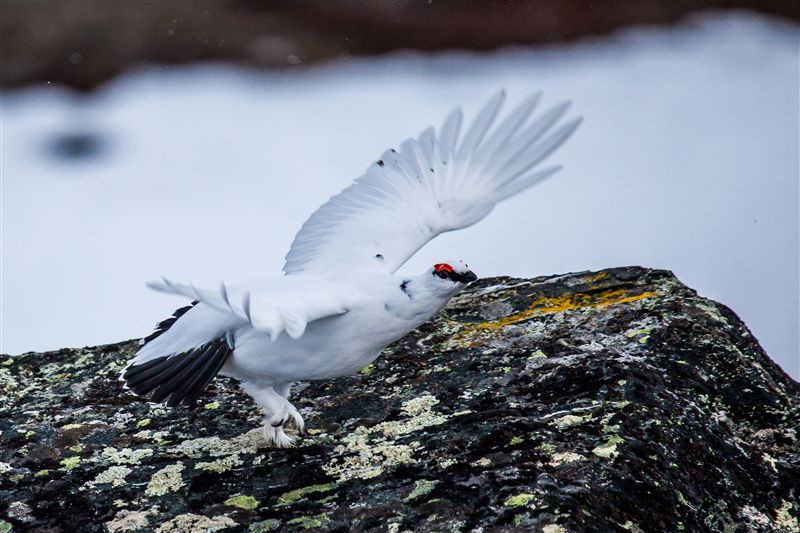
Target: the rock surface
pixel 617 400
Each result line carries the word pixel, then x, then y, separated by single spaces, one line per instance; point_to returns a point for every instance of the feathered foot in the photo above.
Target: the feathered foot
pixel 278 414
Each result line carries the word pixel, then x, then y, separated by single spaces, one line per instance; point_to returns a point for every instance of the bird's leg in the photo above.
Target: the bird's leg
pixel 277 412
pixel 292 415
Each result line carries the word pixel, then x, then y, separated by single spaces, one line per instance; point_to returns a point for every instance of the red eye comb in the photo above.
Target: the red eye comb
pixel 442 267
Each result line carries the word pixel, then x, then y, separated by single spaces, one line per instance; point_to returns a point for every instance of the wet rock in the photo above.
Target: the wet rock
pixel 615 400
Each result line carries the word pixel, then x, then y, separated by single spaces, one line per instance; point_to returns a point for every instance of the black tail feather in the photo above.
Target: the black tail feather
pixel 143 378
pixel 182 377
pixel 192 388
pixel 167 323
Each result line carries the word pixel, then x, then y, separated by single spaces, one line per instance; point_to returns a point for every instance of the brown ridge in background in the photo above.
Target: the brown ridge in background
pixel 83 43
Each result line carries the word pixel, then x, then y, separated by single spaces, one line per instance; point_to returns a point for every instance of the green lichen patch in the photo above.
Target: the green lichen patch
pixel 5 527
pixel 520 500
pixel 242 502
pixel 288 498
pixel 422 487
pixel 264 526
pixel 309 522
pixel 70 463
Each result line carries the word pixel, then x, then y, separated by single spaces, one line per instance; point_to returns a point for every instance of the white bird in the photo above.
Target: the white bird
pixel 339 303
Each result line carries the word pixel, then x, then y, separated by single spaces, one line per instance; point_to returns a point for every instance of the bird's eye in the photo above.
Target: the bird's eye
pixel 442 267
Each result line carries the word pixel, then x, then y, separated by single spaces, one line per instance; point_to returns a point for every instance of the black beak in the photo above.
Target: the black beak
pixel 467 277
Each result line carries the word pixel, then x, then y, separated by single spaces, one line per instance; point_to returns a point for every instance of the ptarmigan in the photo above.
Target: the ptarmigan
pixel 339 303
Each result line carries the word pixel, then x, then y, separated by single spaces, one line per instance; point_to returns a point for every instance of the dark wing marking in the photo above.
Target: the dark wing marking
pixel 165 324
pixel 179 378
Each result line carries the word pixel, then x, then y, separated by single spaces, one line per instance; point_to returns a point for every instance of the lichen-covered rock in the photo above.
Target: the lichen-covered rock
pixel 617 400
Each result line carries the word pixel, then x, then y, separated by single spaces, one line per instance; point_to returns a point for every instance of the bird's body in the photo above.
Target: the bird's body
pixel 337 345
pixel 340 302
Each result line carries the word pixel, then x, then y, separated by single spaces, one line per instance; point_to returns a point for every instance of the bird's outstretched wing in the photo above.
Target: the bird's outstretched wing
pixel 433 184
pixel 272 306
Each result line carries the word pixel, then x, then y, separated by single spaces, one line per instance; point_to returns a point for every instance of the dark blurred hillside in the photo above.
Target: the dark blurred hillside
pixel 82 43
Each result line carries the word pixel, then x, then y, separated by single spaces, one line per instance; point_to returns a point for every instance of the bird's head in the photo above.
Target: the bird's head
pixel 453 274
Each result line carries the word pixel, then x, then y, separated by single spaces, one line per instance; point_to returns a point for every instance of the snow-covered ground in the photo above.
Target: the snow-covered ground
pixel 687 160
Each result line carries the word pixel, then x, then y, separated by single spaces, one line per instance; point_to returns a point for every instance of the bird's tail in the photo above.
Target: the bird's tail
pixel 179 378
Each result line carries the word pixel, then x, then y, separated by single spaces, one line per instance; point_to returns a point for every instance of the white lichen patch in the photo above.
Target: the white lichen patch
pixel 195 523
pixel 561 458
pixel 771 461
pixel 220 465
pixel 115 475
pixel 168 479
pixel 5 467
pixel 608 450
pixel 785 519
pixel 553 528
pixel 19 511
pixel 754 517
pixel 128 521
pixel 125 456
pixel 567 420
pixel 374 450
pixel 248 442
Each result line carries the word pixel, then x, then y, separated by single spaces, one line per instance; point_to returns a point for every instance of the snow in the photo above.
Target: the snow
pixel 687 160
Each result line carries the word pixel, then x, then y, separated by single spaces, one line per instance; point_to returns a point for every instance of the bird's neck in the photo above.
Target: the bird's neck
pixel 418 298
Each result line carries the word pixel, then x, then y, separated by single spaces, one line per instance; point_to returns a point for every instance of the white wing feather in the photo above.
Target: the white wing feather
pixel 271 305
pixel 432 185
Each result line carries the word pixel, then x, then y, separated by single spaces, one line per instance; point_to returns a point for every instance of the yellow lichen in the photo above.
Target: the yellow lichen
pixel 545 305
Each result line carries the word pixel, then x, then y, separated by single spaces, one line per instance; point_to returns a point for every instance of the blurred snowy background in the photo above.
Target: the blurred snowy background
pixel 688 160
